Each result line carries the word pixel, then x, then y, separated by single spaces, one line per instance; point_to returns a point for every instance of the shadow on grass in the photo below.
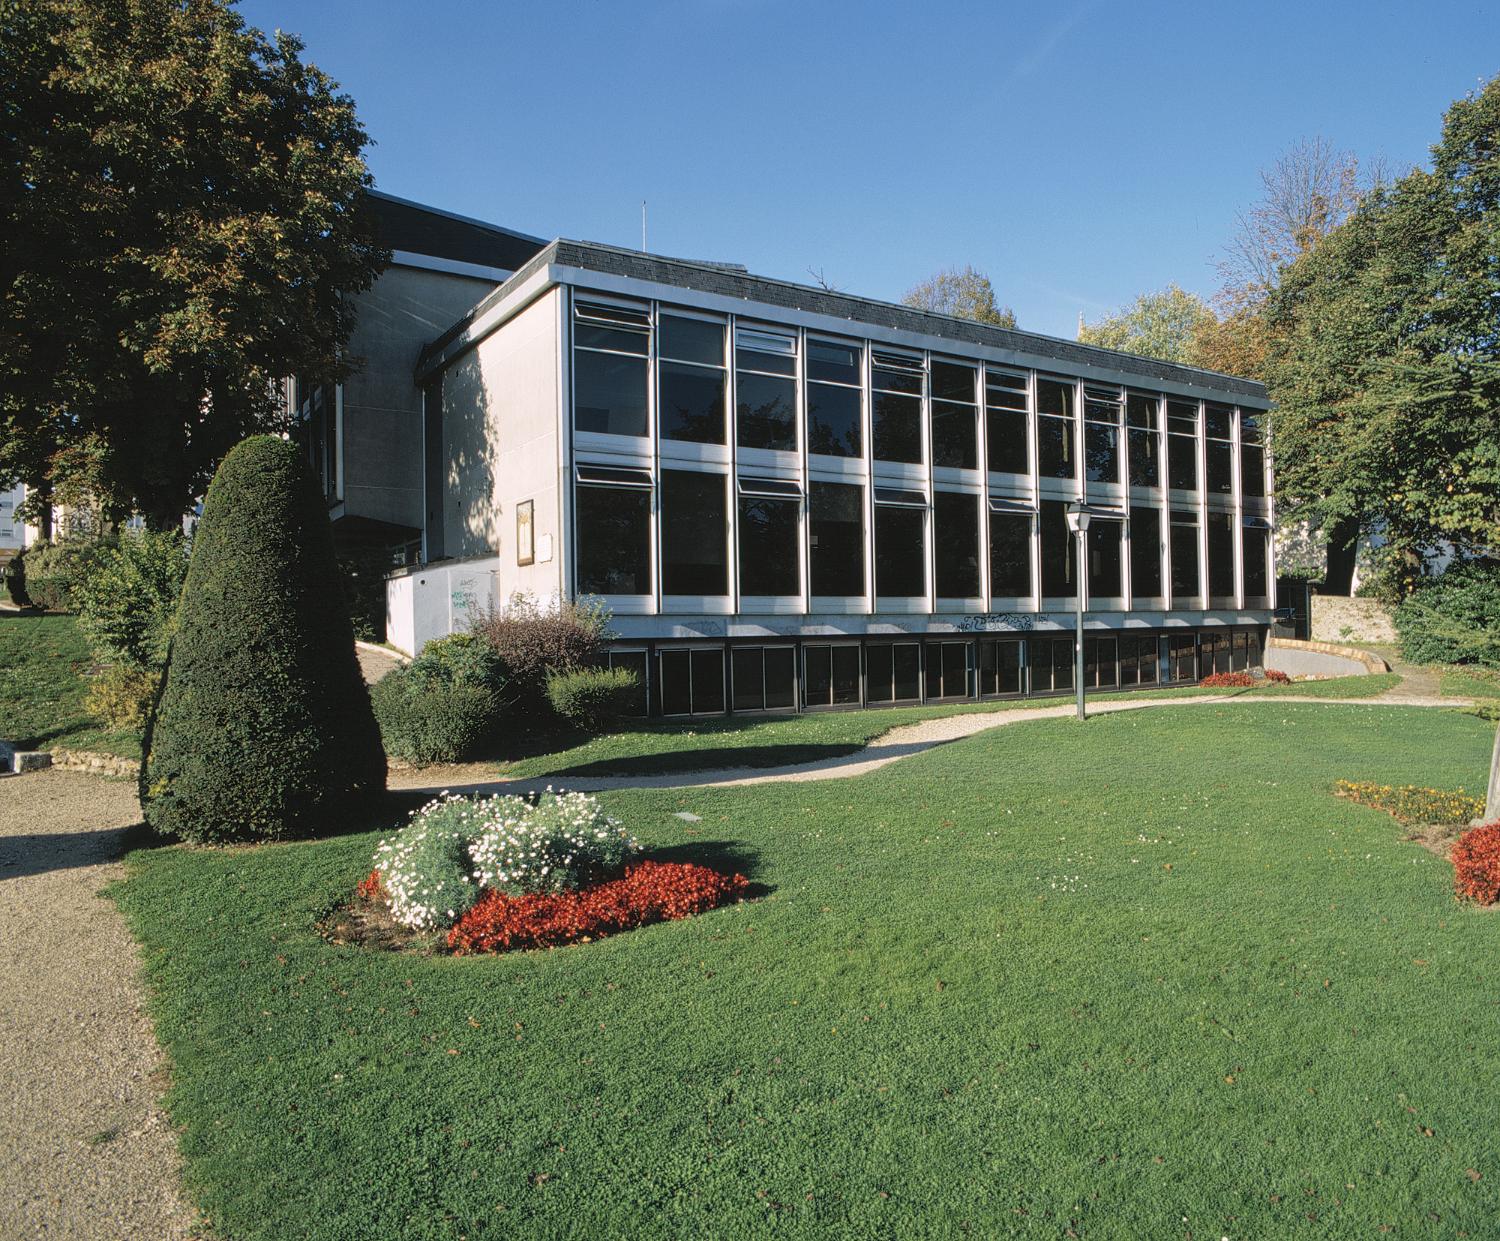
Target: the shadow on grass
pixel 709 759
pixel 728 857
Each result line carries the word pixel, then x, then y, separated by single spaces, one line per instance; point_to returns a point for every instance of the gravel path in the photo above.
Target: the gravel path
pixel 84 1150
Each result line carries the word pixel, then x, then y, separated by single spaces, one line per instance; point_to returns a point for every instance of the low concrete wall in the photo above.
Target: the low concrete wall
pixel 435 600
pixel 1320 659
pixel 1337 618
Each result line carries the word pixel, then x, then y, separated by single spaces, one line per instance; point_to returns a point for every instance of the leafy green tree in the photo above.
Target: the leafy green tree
pixel 263 727
pixel 180 216
pixel 963 293
pixel 1382 354
pixel 1156 325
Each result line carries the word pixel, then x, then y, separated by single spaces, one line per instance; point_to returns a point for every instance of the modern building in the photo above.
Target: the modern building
pixel 792 499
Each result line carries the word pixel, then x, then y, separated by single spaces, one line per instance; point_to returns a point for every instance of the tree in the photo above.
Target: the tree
pixel 262 728
pixel 963 293
pixel 1382 355
pixel 1156 325
pixel 181 200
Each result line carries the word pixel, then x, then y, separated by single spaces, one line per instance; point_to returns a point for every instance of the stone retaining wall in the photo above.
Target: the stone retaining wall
pixel 98 764
pixel 1324 659
pixel 1336 618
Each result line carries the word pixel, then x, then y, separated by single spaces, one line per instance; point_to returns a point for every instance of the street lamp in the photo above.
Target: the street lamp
pixel 1078 523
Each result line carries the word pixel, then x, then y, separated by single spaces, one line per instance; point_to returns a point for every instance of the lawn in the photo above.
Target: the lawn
pixel 1139 977
pixel 45 660
pixel 1469 682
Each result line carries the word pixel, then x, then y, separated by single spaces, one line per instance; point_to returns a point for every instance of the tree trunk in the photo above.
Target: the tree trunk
pixel 1492 801
pixel 1343 541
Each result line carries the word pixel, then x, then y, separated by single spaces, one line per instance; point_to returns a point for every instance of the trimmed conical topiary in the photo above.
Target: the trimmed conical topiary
pixel 263 727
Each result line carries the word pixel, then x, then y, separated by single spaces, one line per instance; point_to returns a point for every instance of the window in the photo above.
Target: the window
pixel 691 680
pixel 694 527
pixel 836 521
pixel 1220 450
pixel 1220 555
pixel 894 672
pixel 896 407
pixel 1010 551
pixel 1142 419
pixel 770 537
pixel 1184 556
pixel 1050 664
pixel 766 390
pixel 690 400
pixel 612 536
pixel 1103 537
pixel 1058 552
pixel 834 388
pixel 1099 656
pixel 610 344
pixel 1056 407
pixel 955 540
pixel 1006 405
pixel 999 667
pixel 1239 650
pixel 1255 550
pixel 900 549
pixel 632 660
pixel 1182 657
pixel 830 675
pixel 955 416
pixel 765 678
pixel 1101 434
pixel 1145 552
pixel 1213 653
pixel 1182 446
pixel 948 670
pixel 1252 455
pixel 1137 659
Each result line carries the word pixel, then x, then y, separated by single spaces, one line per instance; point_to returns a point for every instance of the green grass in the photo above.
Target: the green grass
pixel 1368 685
pixel 1469 683
pixel 1143 977
pixel 44 661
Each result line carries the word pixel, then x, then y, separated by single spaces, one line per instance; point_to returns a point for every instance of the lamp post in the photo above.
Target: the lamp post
pixel 1078 523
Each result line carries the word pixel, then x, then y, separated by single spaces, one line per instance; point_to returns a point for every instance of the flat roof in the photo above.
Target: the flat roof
pixel 725 281
pixel 416 228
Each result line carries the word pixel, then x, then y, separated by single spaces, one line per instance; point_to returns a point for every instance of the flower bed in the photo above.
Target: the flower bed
pixel 1476 864
pixel 1408 803
pixel 1244 680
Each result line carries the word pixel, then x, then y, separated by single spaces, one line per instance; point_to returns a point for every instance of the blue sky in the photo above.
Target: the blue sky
pixel 1079 153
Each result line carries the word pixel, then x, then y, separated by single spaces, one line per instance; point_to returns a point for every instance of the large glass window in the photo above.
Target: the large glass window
pixel 690 402
pixel 1219 448
pixel 1007 403
pixel 1056 407
pixel 770 537
pixel 1101 434
pixel 1214 653
pixel 1256 553
pixel 691 681
pixel 1252 455
pixel 900 549
pixel 948 670
pixel 955 541
pixel 1137 659
pixel 836 521
pixel 999 667
pixel 1142 418
pixel 1104 558
pixel 610 346
pixel 834 388
pixel 1099 656
pixel 1010 551
pixel 694 533
pixel 612 537
pixel 830 675
pixel 893 672
pixel 1182 657
pixel 955 416
pixel 1184 557
pixel 1050 664
pixel 896 410
pixel 1220 555
pixel 1057 549
pixel 1182 445
pixel 765 678
pixel 1145 552
pixel 765 389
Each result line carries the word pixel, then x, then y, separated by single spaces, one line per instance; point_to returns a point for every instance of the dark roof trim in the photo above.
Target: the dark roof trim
pixel 415 228
pixel 453 215
pixel 706 278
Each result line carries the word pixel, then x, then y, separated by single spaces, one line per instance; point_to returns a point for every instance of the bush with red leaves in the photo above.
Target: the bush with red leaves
pixel 649 892
pixel 1476 864
pixel 1244 680
pixel 1277 677
pixel 370 888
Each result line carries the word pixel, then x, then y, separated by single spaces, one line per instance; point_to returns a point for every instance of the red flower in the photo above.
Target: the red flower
pixel 370 888
pixel 1476 864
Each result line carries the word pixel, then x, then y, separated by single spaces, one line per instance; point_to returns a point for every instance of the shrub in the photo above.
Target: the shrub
pixel 425 869
pixel 127 606
pixel 1277 677
pixel 1228 680
pixel 534 639
pixel 445 704
pixel 120 695
pixel 1454 618
pixel 13 578
pixel 593 698
pixel 263 727
pixel 649 892
pixel 1410 804
pixel 1476 864
pixel 460 659
pixel 56 571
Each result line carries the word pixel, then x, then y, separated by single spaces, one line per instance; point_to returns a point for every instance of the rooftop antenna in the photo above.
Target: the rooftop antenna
pixel 1080 325
pixel 643 226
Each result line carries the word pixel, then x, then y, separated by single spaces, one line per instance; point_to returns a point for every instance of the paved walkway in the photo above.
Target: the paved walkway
pixel 85 1151
pixel 898 743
